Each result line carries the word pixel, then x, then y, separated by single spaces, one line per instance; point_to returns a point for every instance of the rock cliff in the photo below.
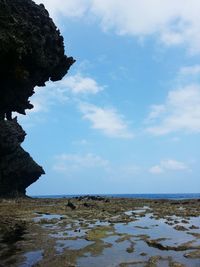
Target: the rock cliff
pixel 31 53
pixel 17 169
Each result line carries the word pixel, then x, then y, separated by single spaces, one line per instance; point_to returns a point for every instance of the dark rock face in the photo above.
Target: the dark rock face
pixel 31 53
pixel 17 169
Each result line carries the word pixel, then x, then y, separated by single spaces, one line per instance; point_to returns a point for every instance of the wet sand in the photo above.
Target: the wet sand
pixel 97 231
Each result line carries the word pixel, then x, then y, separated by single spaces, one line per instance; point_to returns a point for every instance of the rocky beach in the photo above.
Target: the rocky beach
pixel 99 231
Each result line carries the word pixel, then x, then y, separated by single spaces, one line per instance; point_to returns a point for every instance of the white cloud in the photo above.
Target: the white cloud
pixel 168 165
pixel 59 92
pixel 45 97
pixel 77 162
pixel 156 169
pixel 79 84
pixel 180 112
pixel 156 110
pixel 190 70
pixel 173 165
pixel 39 100
pixel 107 120
pixel 85 165
pixel 172 22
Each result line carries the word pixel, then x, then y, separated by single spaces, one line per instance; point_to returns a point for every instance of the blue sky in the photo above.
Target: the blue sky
pixel 126 118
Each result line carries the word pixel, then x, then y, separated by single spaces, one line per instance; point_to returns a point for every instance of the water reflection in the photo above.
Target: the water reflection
pixel 32 258
pixel 9 236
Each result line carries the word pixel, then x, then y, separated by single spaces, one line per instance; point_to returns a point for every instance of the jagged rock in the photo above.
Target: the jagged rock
pixel 17 169
pixel 31 53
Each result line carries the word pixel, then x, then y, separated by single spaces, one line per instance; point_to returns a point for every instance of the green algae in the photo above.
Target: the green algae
pixel 99 232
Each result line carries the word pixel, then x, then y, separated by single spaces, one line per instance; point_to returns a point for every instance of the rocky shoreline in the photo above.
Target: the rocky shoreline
pixel 98 231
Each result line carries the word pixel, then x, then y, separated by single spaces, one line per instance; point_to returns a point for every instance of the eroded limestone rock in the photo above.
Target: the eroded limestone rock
pixel 31 53
pixel 17 169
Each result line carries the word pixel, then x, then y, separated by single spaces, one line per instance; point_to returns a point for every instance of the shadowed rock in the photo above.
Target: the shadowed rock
pixel 17 169
pixel 31 53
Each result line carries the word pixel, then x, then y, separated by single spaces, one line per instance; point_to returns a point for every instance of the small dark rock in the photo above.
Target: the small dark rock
pixel 185 221
pixel 194 227
pixel 71 205
pixel 143 254
pixel 180 228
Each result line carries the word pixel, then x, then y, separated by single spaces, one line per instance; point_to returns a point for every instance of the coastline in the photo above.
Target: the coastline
pixel 99 231
pixel 137 196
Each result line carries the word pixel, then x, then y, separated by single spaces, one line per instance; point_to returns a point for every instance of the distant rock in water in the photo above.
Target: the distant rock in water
pixel 31 53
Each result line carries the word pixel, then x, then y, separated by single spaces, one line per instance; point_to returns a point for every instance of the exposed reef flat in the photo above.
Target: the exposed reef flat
pixel 97 231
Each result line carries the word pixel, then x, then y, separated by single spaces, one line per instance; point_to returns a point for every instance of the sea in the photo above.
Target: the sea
pixel 177 196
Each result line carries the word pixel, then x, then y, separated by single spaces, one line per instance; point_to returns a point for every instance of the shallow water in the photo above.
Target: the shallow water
pixel 124 243
pixel 154 229
pixel 32 258
pixel 71 244
pixel 119 252
pixel 45 216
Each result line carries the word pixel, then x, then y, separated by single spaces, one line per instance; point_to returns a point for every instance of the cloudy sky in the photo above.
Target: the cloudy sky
pixel 126 118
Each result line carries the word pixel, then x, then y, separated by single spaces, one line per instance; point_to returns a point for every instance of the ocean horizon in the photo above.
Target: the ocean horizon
pixel 142 196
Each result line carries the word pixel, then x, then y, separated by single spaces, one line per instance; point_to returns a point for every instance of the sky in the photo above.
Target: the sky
pixel 126 117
